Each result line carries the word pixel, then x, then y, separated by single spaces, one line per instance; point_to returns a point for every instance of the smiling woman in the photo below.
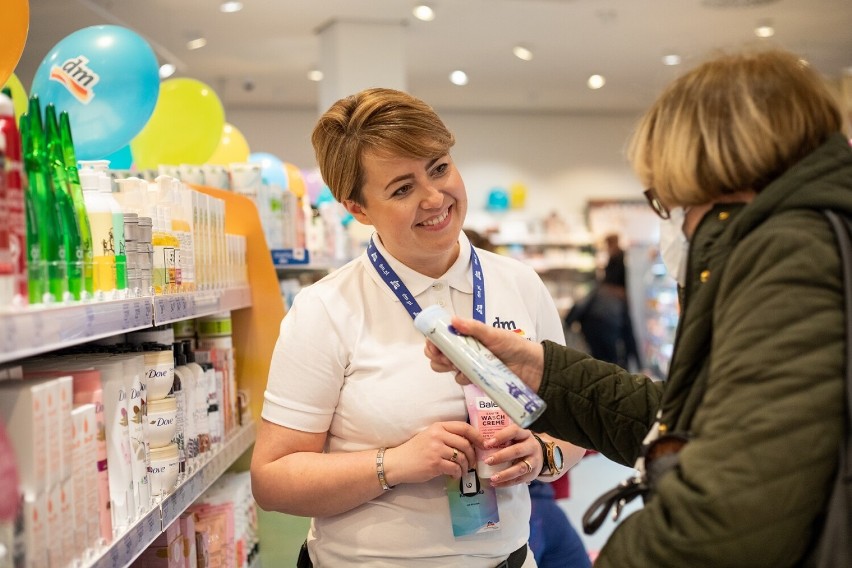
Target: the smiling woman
pixel 352 408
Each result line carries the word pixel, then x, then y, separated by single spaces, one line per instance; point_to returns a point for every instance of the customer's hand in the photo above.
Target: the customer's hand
pixel 444 448
pixel 524 358
pixel 522 451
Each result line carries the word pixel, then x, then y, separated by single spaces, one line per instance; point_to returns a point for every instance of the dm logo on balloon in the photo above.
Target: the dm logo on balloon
pixel 77 78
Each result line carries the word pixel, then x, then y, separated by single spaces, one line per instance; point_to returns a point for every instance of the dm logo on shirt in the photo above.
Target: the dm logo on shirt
pixel 508 324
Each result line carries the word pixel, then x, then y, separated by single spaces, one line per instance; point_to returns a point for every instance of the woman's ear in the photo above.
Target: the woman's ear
pixel 357 211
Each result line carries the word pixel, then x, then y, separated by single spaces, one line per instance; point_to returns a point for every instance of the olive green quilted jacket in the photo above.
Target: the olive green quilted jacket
pixel 756 379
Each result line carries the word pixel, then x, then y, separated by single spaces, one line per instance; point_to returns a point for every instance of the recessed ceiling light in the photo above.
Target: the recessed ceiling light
pixel 764 31
pixel 458 78
pixel 315 75
pixel 230 7
pixel 424 13
pixel 671 59
pixel 596 81
pixel 197 43
pixel 166 70
pixel 522 52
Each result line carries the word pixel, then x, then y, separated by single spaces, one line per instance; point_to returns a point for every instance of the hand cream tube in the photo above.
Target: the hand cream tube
pixel 488 418
pixel 481 366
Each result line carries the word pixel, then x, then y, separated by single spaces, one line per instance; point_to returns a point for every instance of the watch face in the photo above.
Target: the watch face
pixel 558 461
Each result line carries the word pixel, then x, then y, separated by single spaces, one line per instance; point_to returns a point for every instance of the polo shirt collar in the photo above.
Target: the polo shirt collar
pixel 458 276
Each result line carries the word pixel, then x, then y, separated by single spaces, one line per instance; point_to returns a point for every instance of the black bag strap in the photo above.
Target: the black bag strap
pixel 834 548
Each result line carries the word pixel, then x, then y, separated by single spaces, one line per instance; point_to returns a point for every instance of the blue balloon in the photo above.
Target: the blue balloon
pixel 107 78
pixel 121 159
pixel 498 199
pixel 325 195
pixel 271 169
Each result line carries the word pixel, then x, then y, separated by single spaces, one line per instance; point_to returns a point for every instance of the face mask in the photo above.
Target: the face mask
pixel 674 248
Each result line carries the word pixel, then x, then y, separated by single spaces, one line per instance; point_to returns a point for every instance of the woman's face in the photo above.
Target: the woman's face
pixel 417 207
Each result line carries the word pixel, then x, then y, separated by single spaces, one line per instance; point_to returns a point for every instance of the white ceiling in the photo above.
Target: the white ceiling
pixel 273 43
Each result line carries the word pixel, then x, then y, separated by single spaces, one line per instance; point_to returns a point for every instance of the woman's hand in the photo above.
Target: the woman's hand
pixel 522 451
pixel 524 358
pixel 444 448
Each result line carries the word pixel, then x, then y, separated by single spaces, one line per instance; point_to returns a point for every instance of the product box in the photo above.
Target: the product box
pixel 187 531
pixel 35 519
pixel 24 409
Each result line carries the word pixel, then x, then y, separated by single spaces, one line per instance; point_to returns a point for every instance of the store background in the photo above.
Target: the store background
pixel 534 123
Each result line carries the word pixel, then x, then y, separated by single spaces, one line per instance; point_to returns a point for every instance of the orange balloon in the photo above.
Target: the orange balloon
pixel 296 181
pixel 14 25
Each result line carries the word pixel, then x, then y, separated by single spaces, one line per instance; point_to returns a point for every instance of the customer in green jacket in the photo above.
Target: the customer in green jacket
pixel 744 151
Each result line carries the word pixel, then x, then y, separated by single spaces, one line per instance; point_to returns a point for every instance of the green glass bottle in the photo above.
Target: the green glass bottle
pixel 69 159
pixel 71 234
pixel 49 221
pixel 36 268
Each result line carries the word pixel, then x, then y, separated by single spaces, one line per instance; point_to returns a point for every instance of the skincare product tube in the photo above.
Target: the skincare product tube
pixel 488 418
pixel 481 366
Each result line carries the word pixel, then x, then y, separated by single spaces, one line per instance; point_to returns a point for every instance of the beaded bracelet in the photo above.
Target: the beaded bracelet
pixel 380 469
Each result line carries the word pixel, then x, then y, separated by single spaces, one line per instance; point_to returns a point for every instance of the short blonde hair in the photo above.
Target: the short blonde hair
pixel 374 120
pixel 736 122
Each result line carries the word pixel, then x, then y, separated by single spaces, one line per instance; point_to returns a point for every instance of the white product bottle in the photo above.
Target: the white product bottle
pixel 186 399
pixel 99 209
pixel 481 366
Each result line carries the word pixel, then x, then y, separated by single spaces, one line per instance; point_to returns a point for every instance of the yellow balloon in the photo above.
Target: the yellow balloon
pixel 19 95
pixel 185 127
pixel 232 147
pixel 296 183
pixel 14 25
pixel 517 195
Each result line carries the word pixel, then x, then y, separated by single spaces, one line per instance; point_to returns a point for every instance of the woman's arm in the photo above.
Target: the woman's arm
pixel 291 474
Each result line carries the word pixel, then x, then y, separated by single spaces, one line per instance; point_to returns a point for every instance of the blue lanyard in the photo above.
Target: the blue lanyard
pixel 399 288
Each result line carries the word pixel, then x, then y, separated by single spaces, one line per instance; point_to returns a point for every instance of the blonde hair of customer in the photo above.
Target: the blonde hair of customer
pixel 382 121
pixel 733 123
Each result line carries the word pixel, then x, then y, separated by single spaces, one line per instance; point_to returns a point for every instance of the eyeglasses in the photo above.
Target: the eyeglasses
pixel 655 203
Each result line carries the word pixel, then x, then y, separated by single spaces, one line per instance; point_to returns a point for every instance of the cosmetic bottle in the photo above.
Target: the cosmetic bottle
pixel 51 263
pixel 481 366
pixel 71 236
pixel 15 200
pixel 69 158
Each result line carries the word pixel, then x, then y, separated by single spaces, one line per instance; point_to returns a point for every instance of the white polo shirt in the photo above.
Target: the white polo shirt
pixel 349 361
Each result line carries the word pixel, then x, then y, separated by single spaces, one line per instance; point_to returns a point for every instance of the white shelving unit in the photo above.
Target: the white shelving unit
pixel 125 548
pixel 37 330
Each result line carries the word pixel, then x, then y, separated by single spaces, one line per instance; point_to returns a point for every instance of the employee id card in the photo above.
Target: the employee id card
pixel 473 505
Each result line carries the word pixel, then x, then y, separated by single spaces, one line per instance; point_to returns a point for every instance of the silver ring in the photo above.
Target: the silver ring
pixel 455 455
pixel 529 466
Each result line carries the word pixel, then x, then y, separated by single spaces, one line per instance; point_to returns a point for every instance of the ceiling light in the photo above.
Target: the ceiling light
pixel 522 52
pixel 596 81
pixel 197 43
pixel 230 7
pixel 671 59
pixel 764 31
pixel 458 78
pixel 424 13
pixel 166 70
pixel 315 75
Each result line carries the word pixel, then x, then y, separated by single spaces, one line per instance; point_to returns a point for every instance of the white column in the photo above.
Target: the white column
pixel 356 55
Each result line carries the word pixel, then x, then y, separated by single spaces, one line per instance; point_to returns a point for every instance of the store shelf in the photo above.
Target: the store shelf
pixel 175 307
pixel 41 329
pixel 128 546
pixel 37 330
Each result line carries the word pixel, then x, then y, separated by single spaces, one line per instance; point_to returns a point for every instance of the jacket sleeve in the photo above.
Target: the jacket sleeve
pixel 596 405
pixel 754 480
